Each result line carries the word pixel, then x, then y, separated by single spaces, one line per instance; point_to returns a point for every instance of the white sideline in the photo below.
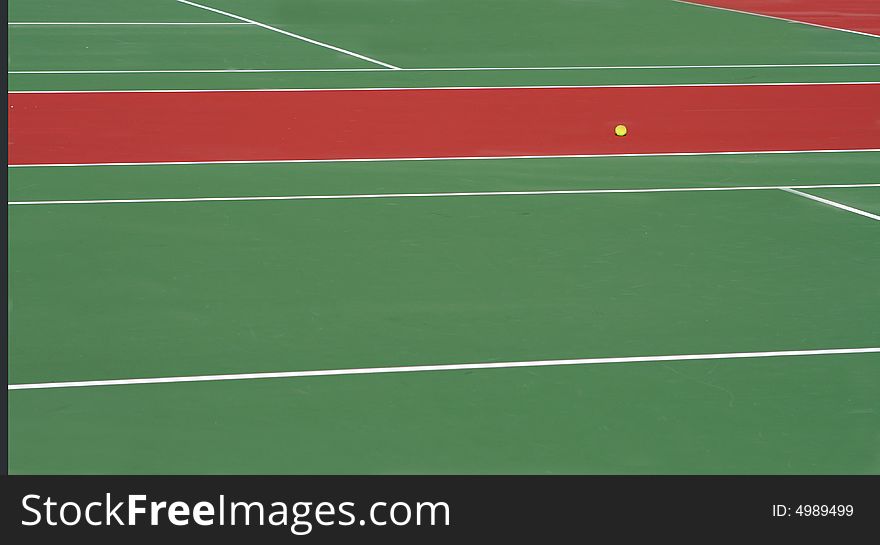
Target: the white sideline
pixel 755 14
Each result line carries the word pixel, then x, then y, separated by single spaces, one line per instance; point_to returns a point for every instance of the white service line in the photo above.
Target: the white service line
pixel 442 367
pixel 291 34
pixel 459 158
pixel 465 69
pixel 423 195
pixel 790 189
pixel 777 18
pixel 454 88
pixel 132 23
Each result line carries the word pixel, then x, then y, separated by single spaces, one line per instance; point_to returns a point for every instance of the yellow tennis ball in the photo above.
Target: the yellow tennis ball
pixel 620 130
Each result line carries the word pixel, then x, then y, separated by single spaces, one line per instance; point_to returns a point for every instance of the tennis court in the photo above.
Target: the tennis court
pixel 340 236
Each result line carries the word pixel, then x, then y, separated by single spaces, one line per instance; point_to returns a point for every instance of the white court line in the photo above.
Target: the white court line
pixel 465 69
pixel 443 194
pixel 291 34
pixel 127 23
pixel 457 88
pixel 461 158
pixel 835 204
pixel 778 18
pixel 442 367
pixel 208 71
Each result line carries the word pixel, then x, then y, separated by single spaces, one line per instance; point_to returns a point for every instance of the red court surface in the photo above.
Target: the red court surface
pixel 158 127
pixel 858 15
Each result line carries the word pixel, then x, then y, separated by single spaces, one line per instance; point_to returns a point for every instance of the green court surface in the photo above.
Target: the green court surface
pixel 347 178
pixel 106 11
pixel 867 199
pixel 416 78
pixel 597 42
pixel 794 415
pixel 164 47
pixel 699 255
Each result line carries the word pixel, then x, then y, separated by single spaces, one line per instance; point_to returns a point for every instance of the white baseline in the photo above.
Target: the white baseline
pixel 457 88
pixel 125 23
pixel 457 158
pixel 459 69
pixel 441 194
pixel 442 367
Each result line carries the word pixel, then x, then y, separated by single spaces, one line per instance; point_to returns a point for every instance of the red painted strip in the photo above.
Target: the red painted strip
pixel 860 15
pixel 283 125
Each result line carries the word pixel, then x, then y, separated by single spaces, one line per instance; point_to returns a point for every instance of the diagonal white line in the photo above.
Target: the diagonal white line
pixel 831 203
pixel 442 367
pixel 425 195
pixel 778 18
pixel 291 34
